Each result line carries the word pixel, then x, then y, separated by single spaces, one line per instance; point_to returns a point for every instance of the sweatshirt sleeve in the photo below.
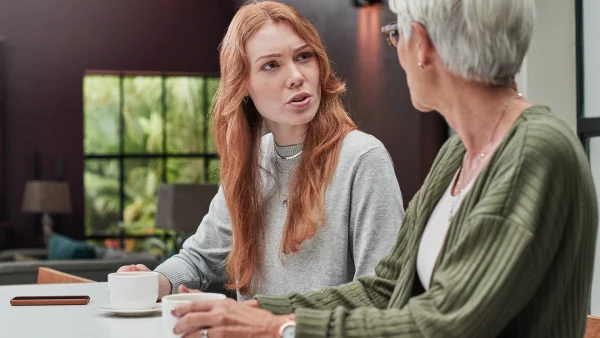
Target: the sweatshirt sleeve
pixel 376 210
pixel 202 259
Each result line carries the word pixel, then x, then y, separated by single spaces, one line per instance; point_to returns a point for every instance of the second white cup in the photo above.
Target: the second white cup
pixel 172 301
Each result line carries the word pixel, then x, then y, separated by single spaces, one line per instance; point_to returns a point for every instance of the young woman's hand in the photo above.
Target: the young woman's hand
pixel 164 285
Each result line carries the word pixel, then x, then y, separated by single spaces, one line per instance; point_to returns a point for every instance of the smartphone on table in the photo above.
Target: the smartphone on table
pixel 49 300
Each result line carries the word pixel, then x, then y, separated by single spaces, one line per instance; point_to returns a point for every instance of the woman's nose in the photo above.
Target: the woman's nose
pixel 295 78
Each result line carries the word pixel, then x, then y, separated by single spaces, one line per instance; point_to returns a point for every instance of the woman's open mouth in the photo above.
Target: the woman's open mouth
pixel 300 100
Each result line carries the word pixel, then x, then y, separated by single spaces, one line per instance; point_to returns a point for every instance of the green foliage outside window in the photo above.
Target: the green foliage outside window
pixel 146 130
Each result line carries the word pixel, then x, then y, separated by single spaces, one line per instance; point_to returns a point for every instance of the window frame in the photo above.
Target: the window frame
pixel 163 156
pixel 587 127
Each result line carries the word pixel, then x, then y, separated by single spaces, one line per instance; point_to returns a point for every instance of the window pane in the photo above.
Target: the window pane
pixel 594 150
pixel 142 178
pixel 212 85
pixel 102 199
pixel 591 55
pixel 142 113
pixel 213 172
pixel 101 114
pixel 185 115
pixel 185 170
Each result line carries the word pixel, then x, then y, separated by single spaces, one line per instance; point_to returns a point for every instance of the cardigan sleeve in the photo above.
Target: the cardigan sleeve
pixel 490 271
pixel 469 297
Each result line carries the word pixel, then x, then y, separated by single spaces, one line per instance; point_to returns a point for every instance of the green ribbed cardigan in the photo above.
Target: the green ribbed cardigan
pixel 517 260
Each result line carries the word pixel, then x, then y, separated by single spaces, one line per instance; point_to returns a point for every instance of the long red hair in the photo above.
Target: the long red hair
pixel 237 128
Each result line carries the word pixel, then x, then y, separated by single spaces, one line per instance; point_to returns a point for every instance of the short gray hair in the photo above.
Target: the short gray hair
pixel 481 40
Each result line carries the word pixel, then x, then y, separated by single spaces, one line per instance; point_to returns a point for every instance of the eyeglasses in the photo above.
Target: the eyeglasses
pixel 391 33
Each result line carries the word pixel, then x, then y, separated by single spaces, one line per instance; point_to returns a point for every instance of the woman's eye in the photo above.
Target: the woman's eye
pixel 269 65
pixel 304 56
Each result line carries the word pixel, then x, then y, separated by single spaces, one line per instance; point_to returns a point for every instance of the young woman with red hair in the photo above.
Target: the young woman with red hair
pixel 312 203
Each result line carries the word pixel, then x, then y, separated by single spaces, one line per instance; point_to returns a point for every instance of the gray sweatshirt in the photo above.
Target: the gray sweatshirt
pixel 363 213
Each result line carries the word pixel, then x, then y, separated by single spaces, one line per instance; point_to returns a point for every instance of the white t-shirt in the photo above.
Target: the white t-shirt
pixel 436 229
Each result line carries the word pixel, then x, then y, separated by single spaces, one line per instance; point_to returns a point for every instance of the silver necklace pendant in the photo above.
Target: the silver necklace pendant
pixel 457 200
pixel 487 148
pixel 283 170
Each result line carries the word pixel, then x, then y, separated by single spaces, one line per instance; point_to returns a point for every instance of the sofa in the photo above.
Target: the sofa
pixel 20 266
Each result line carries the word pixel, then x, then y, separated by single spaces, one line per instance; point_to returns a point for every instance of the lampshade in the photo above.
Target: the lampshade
pixel 181 207
pixel 47 197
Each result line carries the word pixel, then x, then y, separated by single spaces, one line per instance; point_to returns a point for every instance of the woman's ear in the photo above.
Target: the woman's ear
pixel 424 46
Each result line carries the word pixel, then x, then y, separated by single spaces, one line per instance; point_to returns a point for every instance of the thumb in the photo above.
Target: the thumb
pixel 184 289
pixel 141 267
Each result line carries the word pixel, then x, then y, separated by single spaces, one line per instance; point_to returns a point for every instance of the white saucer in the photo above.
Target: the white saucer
pixel 130 313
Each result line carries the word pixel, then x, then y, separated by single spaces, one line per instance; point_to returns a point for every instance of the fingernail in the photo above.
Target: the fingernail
pixel 174 312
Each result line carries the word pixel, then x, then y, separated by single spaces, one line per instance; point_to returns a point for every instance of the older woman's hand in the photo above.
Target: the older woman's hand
pixel 227 318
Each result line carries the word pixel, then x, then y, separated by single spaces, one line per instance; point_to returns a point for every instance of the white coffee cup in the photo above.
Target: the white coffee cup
pixel 133 290
pixel 172 301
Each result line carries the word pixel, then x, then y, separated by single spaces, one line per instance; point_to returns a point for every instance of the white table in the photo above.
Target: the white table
pixel 68 321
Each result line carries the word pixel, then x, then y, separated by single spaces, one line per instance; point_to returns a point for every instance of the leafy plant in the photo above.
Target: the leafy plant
pixel 156 111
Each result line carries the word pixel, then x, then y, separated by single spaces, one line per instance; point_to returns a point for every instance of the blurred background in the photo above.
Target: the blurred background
pixel 104 117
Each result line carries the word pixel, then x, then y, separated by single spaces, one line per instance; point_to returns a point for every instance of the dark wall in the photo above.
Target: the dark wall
pixel 378 97
pixel 49 45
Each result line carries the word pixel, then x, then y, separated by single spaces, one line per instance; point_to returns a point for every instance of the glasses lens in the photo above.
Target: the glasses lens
pixel 393 38
pixel 391 34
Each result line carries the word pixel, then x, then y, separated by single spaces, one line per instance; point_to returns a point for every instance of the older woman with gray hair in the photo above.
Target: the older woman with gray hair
pixel 498 242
